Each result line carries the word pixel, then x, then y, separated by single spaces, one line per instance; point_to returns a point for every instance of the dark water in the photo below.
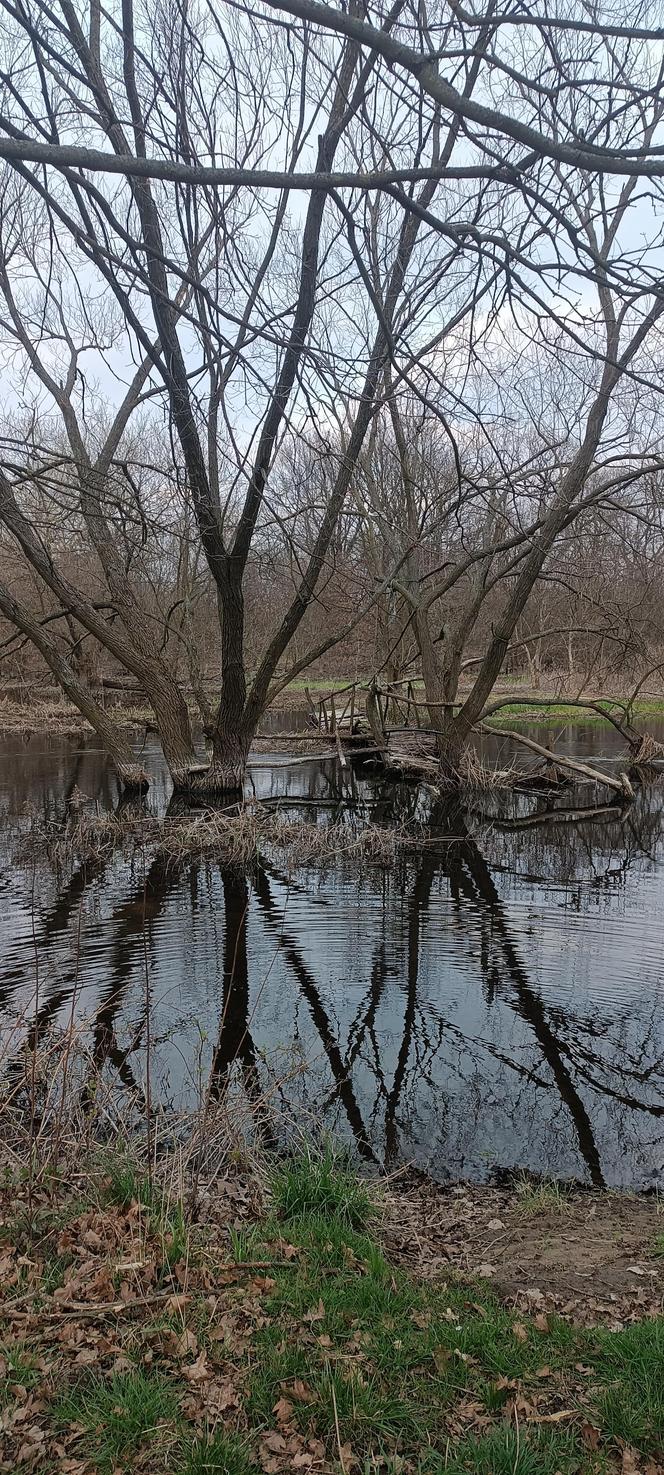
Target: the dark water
pixel 492 1001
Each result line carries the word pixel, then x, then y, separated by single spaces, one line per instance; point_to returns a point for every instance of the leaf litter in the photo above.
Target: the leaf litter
pixel 324 1364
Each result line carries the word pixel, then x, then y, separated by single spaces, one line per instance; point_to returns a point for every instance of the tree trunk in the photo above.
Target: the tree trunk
pixel 110 733
pixel 449 750
pixel 173 726
pixel 449 745
pixel 226 773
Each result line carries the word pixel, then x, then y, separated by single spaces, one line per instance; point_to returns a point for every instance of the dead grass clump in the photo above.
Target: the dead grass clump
pixel 234 836
pixel 53 718
pixel 647 750
pixel 59 1108
pixel 476 774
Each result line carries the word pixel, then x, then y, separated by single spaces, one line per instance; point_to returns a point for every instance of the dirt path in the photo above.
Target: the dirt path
pixel 590 1256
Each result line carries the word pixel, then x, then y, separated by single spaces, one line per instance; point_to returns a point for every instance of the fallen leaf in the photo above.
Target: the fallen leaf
pixel 557 1418
pixel 283 1411
pixel 317 1314
pixel 519 1331
pixel 590 1435
pixel 541 1322
pixel 274 1441
pixel 495 1224
pixel 299 1390
pixel 177 1302
pixel 198 1371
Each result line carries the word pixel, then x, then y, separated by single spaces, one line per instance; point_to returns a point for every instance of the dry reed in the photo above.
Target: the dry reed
pixel 234 836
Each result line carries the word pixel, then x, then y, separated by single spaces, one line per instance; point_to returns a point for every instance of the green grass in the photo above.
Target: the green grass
pixel 224 1454
pixel 556 712
pixel 544 1197
pixel 658 1247
pixel 127 1184
pixel 18 1363
pixel 321 1183
pixel 358 1346
pixel 503 1451
pixel 630 1368
pixel 347 1351
pixel 117 1414
pixel 395 1355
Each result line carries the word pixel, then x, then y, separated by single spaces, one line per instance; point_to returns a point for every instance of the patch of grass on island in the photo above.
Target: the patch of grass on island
pixel 291 1343
pixel 552 713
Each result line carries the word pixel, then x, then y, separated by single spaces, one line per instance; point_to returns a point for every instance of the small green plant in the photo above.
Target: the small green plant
pixel 247 1244
pixel 541 1197
pixel 116 1414
pixel 658 1247
pixel 53 1273
pixel 504 1451
pixel 321 1183
pixel 126 1184
pixel 20 1366
pixel 225 1454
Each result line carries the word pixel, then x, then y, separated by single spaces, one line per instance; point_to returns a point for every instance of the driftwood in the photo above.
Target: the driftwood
pixel 619 785
pixel 556 817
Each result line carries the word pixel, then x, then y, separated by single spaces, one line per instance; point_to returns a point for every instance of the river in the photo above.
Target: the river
pixel 492 1001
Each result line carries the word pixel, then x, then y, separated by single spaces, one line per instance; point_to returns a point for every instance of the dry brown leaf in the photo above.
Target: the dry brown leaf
pixel 178 1301
pixel 274 1441
pixel 299 1390
pixel 198 1371
pixel 519 1331
pixel 283 1411
pixel 291 1252
pixel 557 1418
pixel 317 1313
pixel 590 1435
pixel 263 1282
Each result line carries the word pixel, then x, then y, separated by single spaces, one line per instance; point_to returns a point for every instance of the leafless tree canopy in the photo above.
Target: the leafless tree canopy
pixel 322 320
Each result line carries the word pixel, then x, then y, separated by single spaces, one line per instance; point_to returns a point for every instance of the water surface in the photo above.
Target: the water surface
pixel 492 1001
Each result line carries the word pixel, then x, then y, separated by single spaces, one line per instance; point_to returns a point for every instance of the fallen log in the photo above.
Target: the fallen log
pixel 619 785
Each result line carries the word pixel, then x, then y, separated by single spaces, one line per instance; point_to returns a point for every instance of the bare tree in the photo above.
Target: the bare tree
pixel 461 175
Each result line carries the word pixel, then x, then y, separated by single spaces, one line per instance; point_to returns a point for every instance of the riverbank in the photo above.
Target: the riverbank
pixel 57 717
pixel 289 1316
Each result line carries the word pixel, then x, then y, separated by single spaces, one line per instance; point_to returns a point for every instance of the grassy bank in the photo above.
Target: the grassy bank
pixel 270 1331
pixel 556 712
pixel 58 718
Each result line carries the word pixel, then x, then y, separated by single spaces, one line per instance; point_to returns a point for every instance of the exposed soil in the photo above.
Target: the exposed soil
pixel 590 1256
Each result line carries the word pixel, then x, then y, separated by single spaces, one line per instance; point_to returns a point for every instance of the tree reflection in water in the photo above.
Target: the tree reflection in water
pixel 453 1010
